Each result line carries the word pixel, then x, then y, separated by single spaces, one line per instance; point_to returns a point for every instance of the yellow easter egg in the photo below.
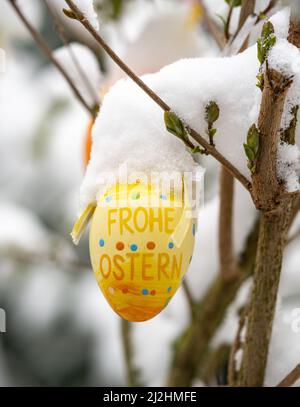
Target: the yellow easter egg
pixel 141 244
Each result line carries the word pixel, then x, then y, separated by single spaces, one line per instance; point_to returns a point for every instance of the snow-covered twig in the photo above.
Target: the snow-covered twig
pixel 209 149
pixel 264 180
pixel 291 378
pixel 48 52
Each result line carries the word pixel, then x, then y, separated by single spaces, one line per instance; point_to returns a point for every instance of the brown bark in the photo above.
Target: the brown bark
pixel 272 238
pixel 247 9
pixel 192 346
pixel 277 216
pixel 265 186
pixel 294 33
pixel 215 366
pixel 228 267
pixel 131 372
pixel 212 27
pixel 232 373
pixel 291 378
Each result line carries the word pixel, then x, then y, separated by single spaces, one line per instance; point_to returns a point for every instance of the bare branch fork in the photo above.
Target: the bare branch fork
pixel 77 14
pixel 48 53
pixel 63 36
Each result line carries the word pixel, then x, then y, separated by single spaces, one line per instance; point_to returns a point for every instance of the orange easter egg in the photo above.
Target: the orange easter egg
pixel 87 143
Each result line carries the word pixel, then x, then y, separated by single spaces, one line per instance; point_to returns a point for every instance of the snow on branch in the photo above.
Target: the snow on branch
pixel 131 125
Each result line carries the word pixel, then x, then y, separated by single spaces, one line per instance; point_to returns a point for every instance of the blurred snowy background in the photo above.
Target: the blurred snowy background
pixel 60 329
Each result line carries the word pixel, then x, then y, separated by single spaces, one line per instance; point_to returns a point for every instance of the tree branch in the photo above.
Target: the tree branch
pixel 272 237
pixel 189 298
pixel 214 368
pixel 227 25
pixel 191 347
pixel 265 183
pixel 22 256
pixel 228 267
pixel 193 133
pixel 275 223
pixel 227 262
pixel 248 7
pixel 212 26
pixel 291 378
pixel 128 353
pixel 47 51
pixel 63 36
pixel 237 345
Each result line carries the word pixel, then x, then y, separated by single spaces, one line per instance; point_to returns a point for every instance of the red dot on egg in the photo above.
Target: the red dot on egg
pixel 150 245
pixel 124 290
pixel 120 246
pixel 152 292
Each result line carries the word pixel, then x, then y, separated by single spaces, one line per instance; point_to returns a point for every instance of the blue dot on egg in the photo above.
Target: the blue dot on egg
pixel 170 245
pixel 169 289
pixel 145 291
pixel 133 247
pixel 194 229
pixel 108 198
pixel 101 242
pixel 163 197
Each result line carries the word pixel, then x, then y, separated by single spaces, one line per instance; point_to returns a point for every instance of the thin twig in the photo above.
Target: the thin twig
pixel 128 354
pixel 228 264
pixel 267 10
pixel 291 378
pixel 48 52
pixel 193 133
pixel 237 345
pixel 248 7
pixel 63 36
pixel 22 256
pixel 212 27
pixel 227 25
pixel 189 297
pixel 227 260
